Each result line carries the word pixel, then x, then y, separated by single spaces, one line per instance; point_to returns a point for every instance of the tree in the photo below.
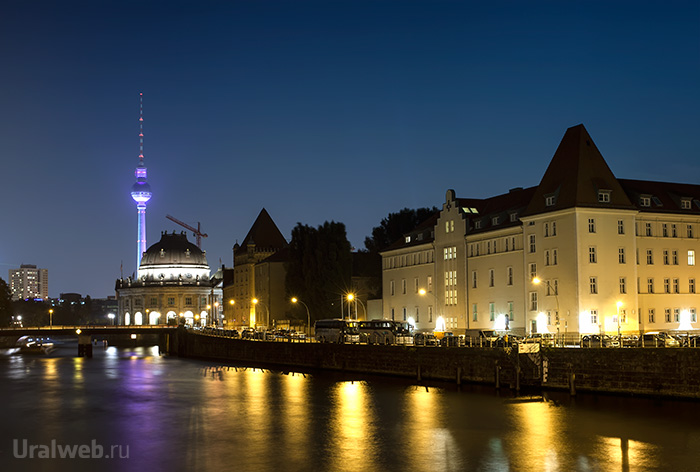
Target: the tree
pixel 391 229
pixel 319 267
pixel 6 310
pixel 394 226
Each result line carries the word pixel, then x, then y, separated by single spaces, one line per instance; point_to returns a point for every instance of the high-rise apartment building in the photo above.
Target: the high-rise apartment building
pixel 28 282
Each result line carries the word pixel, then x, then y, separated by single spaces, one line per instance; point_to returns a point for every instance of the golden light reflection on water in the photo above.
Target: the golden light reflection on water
pixel 626 454
pixel 295 418
pixel 352 427
pixel 536 442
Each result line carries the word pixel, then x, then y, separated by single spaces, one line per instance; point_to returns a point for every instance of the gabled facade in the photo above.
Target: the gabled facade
pixel 582 252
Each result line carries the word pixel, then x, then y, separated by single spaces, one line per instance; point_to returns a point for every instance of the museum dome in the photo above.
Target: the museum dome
pixel 174 249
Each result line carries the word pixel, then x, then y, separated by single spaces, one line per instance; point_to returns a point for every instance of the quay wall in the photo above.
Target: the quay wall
pixel 662 372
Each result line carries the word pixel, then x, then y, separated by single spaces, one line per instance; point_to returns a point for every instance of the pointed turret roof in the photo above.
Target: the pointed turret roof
pixel 264 234
pixel 575 177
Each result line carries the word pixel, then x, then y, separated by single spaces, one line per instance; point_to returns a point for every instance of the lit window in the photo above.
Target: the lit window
pixel 594 317
pixel 691 257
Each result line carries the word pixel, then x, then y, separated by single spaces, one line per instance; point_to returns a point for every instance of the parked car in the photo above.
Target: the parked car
pixel 425 339
pixel 449 339
pixel 545 339
pixel 598 340
pixel 247 333
pixel 657 339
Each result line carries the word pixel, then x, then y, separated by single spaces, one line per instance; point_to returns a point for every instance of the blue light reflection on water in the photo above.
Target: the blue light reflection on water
pixel 177 414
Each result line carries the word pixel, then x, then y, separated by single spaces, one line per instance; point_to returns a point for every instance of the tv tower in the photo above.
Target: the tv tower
pixel 141 193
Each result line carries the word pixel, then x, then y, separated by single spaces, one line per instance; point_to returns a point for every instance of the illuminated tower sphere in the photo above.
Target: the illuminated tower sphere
pixel 141 193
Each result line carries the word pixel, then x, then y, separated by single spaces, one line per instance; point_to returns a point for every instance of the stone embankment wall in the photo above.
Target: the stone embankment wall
pixel 672 372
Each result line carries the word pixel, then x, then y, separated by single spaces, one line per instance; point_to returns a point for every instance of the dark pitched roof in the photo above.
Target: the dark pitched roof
pixel 575 175
pixel 500 207
pixel 421 234
pixel 663 196
pixel 264 234
pixel 280 256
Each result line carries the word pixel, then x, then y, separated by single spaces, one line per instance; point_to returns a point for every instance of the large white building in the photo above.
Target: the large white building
pixel 582 252
pixel 28 282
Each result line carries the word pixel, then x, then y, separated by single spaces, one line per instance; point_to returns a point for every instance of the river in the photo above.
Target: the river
pixel 150 412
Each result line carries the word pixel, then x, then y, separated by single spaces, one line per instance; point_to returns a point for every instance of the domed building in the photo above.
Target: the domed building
pixel 173 286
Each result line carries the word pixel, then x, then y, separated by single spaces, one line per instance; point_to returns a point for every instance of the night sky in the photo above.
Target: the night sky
pixel 327 110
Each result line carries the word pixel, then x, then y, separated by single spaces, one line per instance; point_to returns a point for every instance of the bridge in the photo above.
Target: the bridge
pixel 167 334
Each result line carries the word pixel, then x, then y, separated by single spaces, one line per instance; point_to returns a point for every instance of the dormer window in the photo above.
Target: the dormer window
pixel 645 201
pixel 408 239
pixel 187 253
pixel 477 224
pixel 604 196
pixel 550 200
pixel 513 217
pixel 685 204
pixel 494 220
pixel 162 253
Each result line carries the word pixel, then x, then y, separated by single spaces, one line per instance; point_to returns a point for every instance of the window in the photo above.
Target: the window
pixel 650 257
pixel 691 257
pixel 594 317
pixel 430 283
pixel 554 256
pixel 417 317
pixel 592 258
pixel 506 245
pixel 430 313
pixel 591 225
pixel 533 270
pixel 554 228
pixel 494 220
pixel 621 255
pixel 693 316
pixel 550 200
pixel 650 285
pixel 509 276
pixel 623 285
pixel 593 283
pixel 647 229
pixel 689 230
pixel 154 301
pixel 546 258
pixel 533 246
pixel 620 227
pixel 667 315
pixel 691 285
pixel 474 279
pixel 685 204
pixel 533 301
pixel 510 311
pixel 664 230
pixel 652 316
pixel 188 301
pixel 546 230
pixel 392 315
pixel 403 286
pixel 674 257
pixel 667 285
pixel 604 196
pixel 171 301
pixel 676 315
pixel 676 286
pixel 491 277
pixel 665 256
pixel 513 217
pixel 477 224
pixel 674 231
pixel 553 287
pixel 415 285
pixel 475 316
pixel 492 311
pixel 392 287
pixel 488 247
pixel 645 201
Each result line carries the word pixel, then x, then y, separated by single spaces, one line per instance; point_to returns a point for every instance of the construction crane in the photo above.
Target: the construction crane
pixel 197 231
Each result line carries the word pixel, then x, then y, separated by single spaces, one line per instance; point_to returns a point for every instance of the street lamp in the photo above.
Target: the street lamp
pixel 111 318
pixel 255 302
pixel 308 315
pixel 619 337
pixel 51 319
pixel 537 281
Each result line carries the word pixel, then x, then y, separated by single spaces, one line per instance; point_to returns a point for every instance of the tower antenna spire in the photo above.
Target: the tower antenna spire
pixel 141 192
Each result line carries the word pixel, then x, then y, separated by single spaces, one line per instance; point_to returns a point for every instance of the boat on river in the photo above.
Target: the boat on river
pixel 35 345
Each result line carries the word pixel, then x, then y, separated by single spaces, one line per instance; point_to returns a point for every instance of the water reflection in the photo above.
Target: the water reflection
pixel 177 414
pixel 351 427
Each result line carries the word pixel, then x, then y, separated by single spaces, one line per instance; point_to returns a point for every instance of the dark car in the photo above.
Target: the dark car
pixel 247 333
pixel 425 339
pixel 598 340
pixel 449 339
pixel 657 339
